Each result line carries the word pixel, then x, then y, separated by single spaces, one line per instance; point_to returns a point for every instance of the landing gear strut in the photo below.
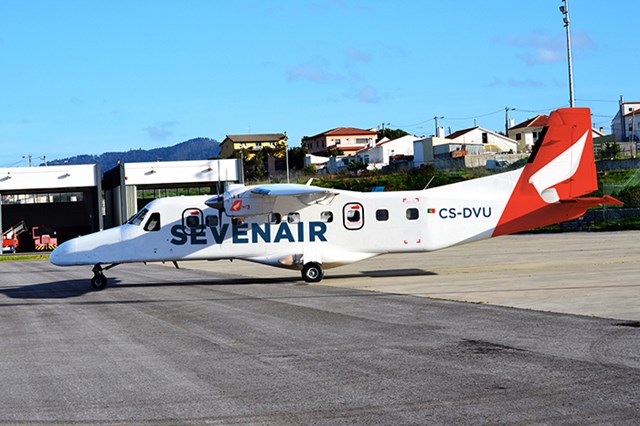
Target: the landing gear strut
pixel 99 281
pixel 312 272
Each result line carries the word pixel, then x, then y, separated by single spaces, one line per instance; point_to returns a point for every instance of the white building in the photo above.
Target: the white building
pixel 381 154
pixel 481 140
pixel 626 123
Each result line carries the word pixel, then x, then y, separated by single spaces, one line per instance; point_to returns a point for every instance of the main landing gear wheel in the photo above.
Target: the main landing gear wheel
pixel 99 282
pixel 312 272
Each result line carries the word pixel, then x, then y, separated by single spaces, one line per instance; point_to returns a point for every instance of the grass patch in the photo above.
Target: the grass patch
pixel 12 257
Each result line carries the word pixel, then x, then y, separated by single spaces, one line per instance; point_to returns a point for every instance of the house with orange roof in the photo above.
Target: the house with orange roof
pixel 347 139
pixel 527 132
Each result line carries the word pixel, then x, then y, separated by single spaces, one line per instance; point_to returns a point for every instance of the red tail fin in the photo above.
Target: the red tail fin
pixel 561 168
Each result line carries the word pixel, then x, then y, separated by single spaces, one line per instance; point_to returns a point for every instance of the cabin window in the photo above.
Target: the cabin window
pixel 413 214
pixel 293 217
pixel 382 215
pixel 153 224
pixel 275 218
pixel 138 218
pixel 326 217
pixel 192 221
pixel 353 216
pixel 211 221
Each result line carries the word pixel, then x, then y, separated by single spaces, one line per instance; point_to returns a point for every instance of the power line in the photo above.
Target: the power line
pixel 597 100
pixel 477 116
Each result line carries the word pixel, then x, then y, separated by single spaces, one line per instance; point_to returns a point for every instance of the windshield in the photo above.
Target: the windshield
pixel 138 218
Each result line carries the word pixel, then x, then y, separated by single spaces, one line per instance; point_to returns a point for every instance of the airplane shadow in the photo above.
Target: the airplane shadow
pixel 53 290
pixel 75 288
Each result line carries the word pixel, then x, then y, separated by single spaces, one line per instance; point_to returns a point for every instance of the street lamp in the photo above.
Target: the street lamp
pixel 564 9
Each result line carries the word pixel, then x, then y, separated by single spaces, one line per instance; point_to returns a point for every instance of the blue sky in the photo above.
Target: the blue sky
pixel 85 77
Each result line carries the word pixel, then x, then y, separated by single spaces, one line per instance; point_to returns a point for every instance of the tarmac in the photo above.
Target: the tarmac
pixel 594 274
pixel 237 343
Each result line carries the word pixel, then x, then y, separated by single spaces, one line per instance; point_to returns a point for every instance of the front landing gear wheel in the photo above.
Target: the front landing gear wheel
pixel 312 272
pixel 99 282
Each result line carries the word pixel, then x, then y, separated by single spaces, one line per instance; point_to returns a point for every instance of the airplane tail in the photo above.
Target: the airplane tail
pixel 560 169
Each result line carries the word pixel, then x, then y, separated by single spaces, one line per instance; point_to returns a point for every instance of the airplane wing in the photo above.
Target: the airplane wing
pixel 260 199
pixel 290 189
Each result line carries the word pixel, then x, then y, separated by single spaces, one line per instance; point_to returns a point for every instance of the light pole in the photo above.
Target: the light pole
pixel 564 9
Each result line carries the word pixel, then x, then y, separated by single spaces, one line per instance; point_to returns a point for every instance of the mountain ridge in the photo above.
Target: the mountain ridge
pixel 193 149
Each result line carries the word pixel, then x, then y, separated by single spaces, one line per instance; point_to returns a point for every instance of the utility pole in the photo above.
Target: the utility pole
pixel 623 133
pixel 506 120
pixel 28 158
pixel 564 9
pixel 286 153
pixel 436 118
pixel 44 159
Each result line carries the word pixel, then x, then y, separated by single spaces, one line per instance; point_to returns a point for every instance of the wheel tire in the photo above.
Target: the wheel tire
pixel 99 282
pixel 312 272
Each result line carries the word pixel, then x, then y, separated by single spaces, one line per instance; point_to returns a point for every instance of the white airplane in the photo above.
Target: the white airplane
pixel 311 229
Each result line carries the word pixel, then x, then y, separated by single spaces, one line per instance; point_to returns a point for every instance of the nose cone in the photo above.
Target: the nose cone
pixel 99 247
pixel 63 254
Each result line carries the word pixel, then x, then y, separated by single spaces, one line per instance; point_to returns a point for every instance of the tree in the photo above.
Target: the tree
pixel 296 157
pixel 610 151
pixel 391 133
pixel 331 152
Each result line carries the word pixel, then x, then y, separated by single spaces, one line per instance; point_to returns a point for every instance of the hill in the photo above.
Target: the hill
pixel 193 149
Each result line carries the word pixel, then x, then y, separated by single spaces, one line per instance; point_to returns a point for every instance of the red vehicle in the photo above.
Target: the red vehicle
pixel 44 238
pixel 10 241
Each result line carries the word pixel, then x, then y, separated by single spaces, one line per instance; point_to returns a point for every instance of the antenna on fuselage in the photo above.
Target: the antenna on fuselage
pixel 429 183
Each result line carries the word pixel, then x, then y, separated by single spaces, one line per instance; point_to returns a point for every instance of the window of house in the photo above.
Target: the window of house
pixel 518 136
pixel 362 140
pixel 413 214
pixel 382 215
pixel 337 141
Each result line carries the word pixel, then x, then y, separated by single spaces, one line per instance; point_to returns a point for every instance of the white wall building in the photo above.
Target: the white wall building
pixel 380 155
pixel 626 123
pixel 480 137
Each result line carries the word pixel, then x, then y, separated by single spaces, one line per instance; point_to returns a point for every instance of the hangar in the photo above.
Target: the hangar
pixel 129 187
pixel 76 199
pixel 65 198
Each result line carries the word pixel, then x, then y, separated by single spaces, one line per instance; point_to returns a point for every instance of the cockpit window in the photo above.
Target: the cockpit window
pixel 153 224
pixel 138 218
